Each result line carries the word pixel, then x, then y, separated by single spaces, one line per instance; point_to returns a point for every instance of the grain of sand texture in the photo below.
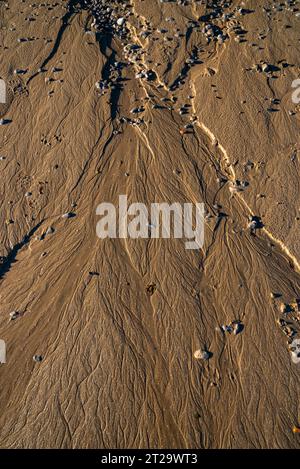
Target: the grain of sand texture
pixel 113 324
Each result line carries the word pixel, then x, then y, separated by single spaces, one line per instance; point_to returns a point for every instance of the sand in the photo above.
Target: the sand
pixel 115 323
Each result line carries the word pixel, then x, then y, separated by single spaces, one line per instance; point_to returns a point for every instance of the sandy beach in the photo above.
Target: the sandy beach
pixel 143 343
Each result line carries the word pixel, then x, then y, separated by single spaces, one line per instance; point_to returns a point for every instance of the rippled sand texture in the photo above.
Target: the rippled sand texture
pixel 118 369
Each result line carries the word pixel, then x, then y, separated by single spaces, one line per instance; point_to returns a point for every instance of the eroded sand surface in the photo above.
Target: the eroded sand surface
pixel 117 322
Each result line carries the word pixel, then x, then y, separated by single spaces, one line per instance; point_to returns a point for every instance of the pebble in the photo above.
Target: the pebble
pixel 38 358
pixel 255 223
pixel 20 71
pixel 275 295
pixel 14 315
pixel 68 215
pixel 265 68
pixel 120 21
pixel 201 355
pixel 295 351
pixel 137 110
pixel 237 327
pixel 226 328
pixel 237 186
pixel 101 85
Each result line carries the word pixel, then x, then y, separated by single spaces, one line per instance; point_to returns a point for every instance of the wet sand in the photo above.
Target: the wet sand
pixel 113 325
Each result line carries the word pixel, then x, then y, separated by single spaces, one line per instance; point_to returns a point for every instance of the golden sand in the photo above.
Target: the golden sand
pixel 102 335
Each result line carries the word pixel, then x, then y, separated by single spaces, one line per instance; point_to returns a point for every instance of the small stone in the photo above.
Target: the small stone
pixel 137 110
pixel 295 351
pixel 68 215
pixel 285 308
pixel 237 327
pixel 255 223
pixel 266 68
pixel 14 315
pixel 101 85
pixel 275 295
pixel 120 21
pixel 201 355
pixel 38 358
pixel 226 328
pixel 20 71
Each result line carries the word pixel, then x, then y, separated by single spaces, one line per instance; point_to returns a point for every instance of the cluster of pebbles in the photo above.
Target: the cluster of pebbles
pixel 291 311
pixel 113 79
pixel 213 32
pixel 113 19
pixel 235 328
pixel 108 17
pixel 220 21
pixel 289 324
